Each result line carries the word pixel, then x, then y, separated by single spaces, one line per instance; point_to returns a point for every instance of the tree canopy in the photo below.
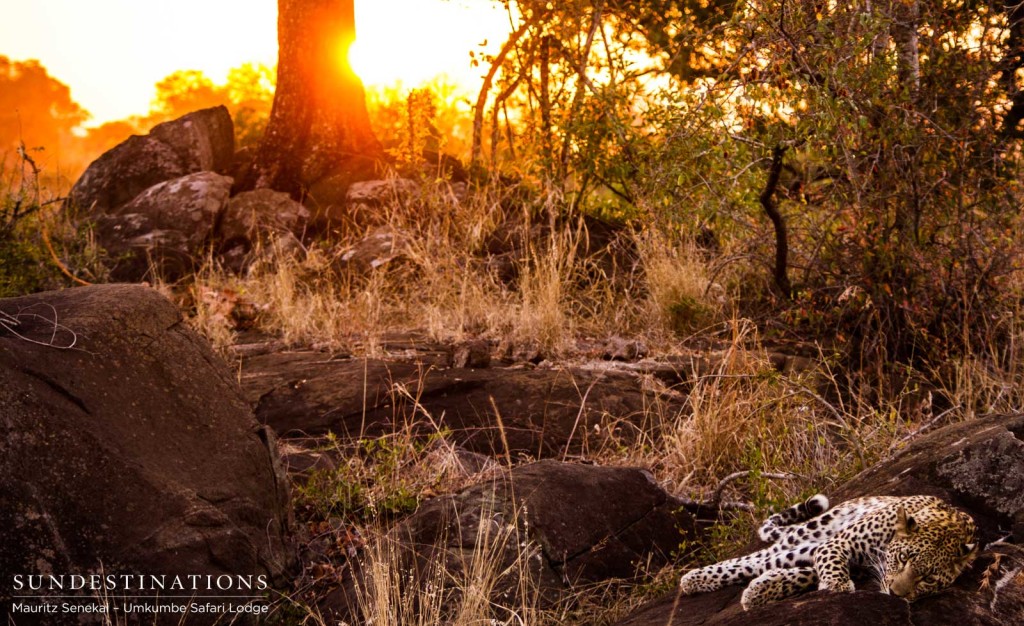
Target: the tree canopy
pixel 35 108
pixel 873 144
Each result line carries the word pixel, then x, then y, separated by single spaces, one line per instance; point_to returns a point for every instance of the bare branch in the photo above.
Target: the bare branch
pixel 485 88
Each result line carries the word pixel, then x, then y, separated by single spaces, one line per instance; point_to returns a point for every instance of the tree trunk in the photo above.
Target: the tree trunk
pixel 319 125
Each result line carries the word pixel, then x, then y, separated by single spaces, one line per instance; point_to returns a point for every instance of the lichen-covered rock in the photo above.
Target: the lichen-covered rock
pixel 380 248
pixel 126 446
pixel 340 200
pixel 254 218
pixel 200 141
pixel 378 193
pixel 166 226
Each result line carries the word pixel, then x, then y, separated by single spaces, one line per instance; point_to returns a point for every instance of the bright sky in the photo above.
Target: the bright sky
pixel 112 52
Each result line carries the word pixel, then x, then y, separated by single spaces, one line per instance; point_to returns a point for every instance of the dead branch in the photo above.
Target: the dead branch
pixel 10 322
pixel 485 88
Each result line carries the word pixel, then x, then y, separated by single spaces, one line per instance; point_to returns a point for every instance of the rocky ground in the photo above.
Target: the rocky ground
pixel 429 477
pixel 119 415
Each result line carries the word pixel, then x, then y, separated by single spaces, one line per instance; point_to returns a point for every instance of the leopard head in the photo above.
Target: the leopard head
pixel 928 551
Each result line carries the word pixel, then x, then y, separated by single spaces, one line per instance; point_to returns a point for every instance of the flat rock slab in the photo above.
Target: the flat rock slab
pixel 126 445
pixel 977 466
pixel 543 412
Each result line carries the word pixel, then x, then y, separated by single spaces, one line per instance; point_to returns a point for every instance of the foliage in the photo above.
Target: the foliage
pixel 899 189
pixel 23 268
pixel 377 478
pixel 248 93
pixel 24 265
pixel 37 111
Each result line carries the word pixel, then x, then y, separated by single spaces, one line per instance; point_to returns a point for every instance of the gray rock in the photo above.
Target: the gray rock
pixel 619 349
pixel 352 199
pixel 378 193
pixel 254 218
pixel 380 248
pixel 200 141
pixel 473 354
pixel 167 225
pixel 132 451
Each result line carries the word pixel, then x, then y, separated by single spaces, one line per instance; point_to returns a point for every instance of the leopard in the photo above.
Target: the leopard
pixel 914 545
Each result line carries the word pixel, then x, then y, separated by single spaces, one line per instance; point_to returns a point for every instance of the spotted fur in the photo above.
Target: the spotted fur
pixel 916 545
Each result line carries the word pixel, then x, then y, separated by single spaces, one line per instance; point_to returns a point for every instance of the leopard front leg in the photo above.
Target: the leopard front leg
pixel 777 584
pixel 832 564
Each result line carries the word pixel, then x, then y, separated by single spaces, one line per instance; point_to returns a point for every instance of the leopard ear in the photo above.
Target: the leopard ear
pixel 905 525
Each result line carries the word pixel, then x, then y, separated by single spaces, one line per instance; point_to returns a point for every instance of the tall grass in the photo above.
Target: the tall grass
pixel 456 586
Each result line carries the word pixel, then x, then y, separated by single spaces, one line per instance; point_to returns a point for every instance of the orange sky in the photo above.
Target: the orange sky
pixel 112 52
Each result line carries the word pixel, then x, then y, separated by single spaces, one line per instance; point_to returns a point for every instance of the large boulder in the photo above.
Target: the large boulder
pixel 165 226
pixel 976 465
pixel 541 529
pixel 126 447
pixel 200 141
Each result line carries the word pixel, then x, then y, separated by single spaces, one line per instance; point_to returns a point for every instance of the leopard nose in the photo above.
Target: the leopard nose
pixel 901 591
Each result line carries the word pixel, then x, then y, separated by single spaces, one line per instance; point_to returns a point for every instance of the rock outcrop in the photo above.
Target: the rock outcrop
pixel 543 412
pixel 164 228
pixel 539 528
pixel 976 465
pixel 200 141
pixel 127 447
pixel 160 202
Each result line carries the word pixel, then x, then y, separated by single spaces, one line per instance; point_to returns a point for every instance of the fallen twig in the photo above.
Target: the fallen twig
pixel 9 322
